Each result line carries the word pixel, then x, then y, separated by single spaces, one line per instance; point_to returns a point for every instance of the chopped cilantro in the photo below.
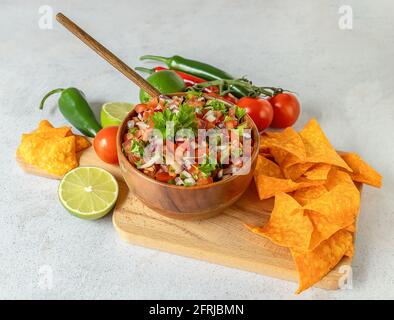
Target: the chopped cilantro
pixel 133 130
pixel 217 105
pixel 207 168
pixel 138 163
pixel 239 112
pixel 228 118
pixel 192 93
pixel 241 127
pixel 137 148
pixel 184 119
pixel 188 184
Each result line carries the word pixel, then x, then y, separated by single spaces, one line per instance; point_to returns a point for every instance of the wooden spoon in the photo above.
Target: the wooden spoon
pixel 107 55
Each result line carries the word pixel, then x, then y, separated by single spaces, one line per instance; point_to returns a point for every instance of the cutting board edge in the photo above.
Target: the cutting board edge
pixel 329 282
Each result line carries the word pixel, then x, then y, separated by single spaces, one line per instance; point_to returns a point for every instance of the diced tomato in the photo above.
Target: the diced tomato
pixel 152 104
pixel 163 176
pixel 201 124
pixel 209 125
pixel 141 107
pixel 146 134
pixel 204 180
pixel 231 124
pixel 193 170
pixel 147 114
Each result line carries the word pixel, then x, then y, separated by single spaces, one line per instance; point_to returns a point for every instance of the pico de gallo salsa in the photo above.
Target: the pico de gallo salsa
pixel 191 161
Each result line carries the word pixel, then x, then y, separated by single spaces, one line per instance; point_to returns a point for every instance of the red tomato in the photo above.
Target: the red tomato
pixel 105 144
pixel 163 176
pixel 286 110
pixel 260 110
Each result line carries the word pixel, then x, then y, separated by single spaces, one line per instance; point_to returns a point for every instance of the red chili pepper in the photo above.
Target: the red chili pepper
pixel 189 79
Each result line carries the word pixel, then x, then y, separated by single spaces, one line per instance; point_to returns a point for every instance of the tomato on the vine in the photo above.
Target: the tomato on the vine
pixel 286 110
pixel 105 144
pixel 260 110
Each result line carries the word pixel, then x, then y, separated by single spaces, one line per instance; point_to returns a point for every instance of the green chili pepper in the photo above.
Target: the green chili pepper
pixel 76 110
pixel 198 69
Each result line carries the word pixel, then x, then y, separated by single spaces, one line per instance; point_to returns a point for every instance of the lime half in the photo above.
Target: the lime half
pixel 88 192
pixel 113 113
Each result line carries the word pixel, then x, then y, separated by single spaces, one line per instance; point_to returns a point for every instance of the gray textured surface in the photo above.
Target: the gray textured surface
pixel 344 78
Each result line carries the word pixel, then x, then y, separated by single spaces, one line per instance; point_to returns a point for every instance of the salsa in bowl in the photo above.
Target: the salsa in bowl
pixel 195 167
pixel 188 140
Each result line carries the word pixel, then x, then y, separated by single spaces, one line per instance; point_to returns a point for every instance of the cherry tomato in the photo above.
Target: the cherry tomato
pixel 105 144
pixel 260 110
pixel 286 110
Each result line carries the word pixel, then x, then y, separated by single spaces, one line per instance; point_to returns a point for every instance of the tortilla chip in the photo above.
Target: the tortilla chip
pixel 267 186
pixel 53 132
pixel 59 157
pixel 267 167
pixel 51 149
pixel 362 171
pixel 288 140
pixel 43 126
pixel 81 143
pixel 318 148
pixel 304 195
pixel 278 154
pixel 312 266
pixel 334 210
pixel 318 171
pixel 352 228
pixel 288 225
pixel 295 171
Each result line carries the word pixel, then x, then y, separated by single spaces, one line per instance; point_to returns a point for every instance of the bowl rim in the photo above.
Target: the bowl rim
pixel 256 144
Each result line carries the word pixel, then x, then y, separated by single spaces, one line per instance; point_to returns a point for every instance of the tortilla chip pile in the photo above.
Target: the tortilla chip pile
pixel 52 149
pixel 316 200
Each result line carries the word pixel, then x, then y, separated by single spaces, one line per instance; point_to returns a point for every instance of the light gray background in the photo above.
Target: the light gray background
pixel 344 78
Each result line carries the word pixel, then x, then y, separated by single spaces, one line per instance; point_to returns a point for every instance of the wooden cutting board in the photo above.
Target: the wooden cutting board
pixel 223 239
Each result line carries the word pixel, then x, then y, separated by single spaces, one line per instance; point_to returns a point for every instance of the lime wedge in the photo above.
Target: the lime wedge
pixel 88 192
pixel 113 113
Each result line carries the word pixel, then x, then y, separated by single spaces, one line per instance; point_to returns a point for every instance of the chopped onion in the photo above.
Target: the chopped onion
pixel 142 125
pixel 130 124
pixel 151 162
pixel 178 181
pixel 189 181
pixel 187 163
pixel 177 167
pixel 220 173
pixel 210 116
pixel 186 174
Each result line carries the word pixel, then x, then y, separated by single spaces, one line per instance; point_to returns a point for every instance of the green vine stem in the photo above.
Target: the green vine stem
pixel 225 87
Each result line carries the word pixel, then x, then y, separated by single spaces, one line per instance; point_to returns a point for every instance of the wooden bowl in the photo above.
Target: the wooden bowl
pixel 197 202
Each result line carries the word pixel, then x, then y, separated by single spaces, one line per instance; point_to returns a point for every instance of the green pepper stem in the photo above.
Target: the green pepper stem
pixel 225 87
pixel 48 95
pixel 146 70
pixel 165 60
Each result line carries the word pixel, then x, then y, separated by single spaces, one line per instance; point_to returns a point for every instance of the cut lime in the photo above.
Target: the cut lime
pixel 88 192
pixel 113 113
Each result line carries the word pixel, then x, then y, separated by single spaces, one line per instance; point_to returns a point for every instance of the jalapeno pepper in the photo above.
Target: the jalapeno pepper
pixel 76 110
pixel 198 69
